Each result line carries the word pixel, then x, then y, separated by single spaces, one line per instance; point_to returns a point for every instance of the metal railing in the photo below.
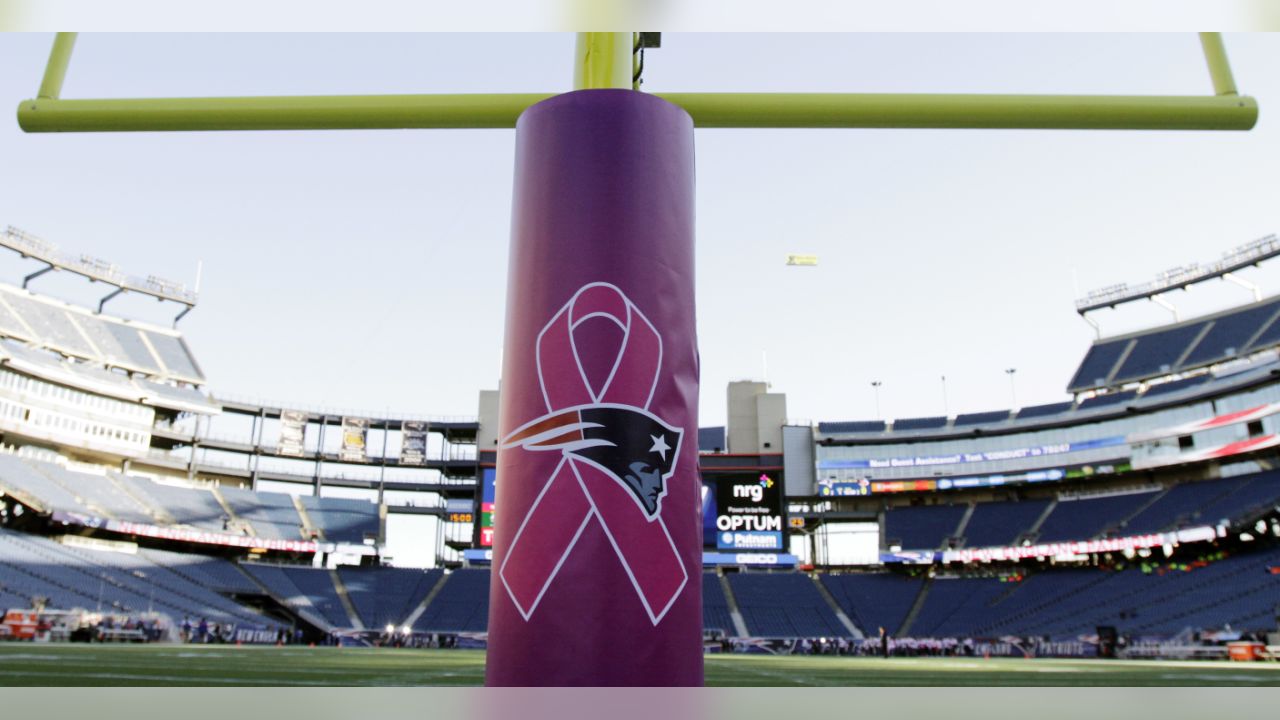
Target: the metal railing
pixel 337 412
pixel 32 246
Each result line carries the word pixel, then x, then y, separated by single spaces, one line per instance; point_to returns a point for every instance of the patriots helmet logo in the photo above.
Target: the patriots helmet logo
pixel 631 444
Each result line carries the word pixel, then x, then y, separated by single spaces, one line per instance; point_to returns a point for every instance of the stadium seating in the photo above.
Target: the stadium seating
pixel 158 393
pixel 1176 386
pixel 996 524
pixel 920 423
pixel 462 604
pixel 309 591
pixel 9 325
pixel 715 606
pixel 317 585
pixel 1269 337
pixel 1043 411
pixel 173 353
pixel 114 496
pixel 342 520
pixel 852 426
pixel 1157 353
pixel 874 600
pixel 216 574
pixel 51 324
pixel 784 605
pixel 1254 493
pixel 1227 592
pixel 1086 518
pixel 133 351
pixel 1098 364
pixel 922 528
pixel 195 507
pixel 953 606
pixel 273 515
pixel 712 439
pixel 1178 506
pixel 1179 348
pixel 20 476
pixel 387 596
pixel 1112 398
pixel 981 418
pixel 71 577
pixel 100 494
pixel 1229 334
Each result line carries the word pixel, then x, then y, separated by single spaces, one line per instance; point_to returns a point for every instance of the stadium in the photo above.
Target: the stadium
pixel 157 528
pixel 1139 520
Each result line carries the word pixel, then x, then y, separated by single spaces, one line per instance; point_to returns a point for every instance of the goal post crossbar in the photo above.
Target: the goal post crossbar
pixel 596 66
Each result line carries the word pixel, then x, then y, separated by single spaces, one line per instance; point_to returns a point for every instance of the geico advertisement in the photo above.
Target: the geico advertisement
pixel 749 514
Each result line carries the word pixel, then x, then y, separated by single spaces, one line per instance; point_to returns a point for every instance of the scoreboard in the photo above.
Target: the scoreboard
pixel 488 488
pixel 749 513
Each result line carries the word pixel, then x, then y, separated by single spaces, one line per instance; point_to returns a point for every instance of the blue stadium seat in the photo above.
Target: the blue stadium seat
pixel 76 578
pixel 1109 399
pixel 1176 386
pixel 461 606
pixel 874 600
pixel 982 418
pixel 1098 364
pixel 385 596
pixel 342 520
pixel 1086 518
pixel 998 524
pixel 784 605
pixel 1269 337
pixel 1041 411
pixel 1230 334
pixel 851 426
pixel 272 515
pixel 1157 353
pixel 1179 506
pixel 715 606
pixel 922 528
pixel 712 439
pixel 954 607
pixel 921 423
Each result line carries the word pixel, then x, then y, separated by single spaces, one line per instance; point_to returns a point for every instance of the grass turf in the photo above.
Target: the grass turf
pixel 161 665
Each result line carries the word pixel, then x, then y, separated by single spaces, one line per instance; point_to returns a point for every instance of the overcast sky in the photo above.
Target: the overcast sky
pixel 366 270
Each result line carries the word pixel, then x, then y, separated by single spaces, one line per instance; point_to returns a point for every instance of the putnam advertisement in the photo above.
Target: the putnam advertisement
pixel 749 514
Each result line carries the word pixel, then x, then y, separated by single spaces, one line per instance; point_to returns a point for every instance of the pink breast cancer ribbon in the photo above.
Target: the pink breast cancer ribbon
pixel 579 491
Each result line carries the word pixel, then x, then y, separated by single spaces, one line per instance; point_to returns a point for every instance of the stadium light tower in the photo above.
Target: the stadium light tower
pixel 875 388
pixel 604 177
pixel 1013 393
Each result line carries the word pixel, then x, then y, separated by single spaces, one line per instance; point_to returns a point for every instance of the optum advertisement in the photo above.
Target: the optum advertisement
pixel 749 513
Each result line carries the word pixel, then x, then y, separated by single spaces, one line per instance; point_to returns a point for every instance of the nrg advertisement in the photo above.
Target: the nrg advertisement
pixel 749 513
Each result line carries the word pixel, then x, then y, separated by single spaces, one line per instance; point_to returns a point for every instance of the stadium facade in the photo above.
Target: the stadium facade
pixel 1148 503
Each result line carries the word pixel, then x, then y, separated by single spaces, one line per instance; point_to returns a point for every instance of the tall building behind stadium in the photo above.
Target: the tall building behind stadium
pixel 1143 513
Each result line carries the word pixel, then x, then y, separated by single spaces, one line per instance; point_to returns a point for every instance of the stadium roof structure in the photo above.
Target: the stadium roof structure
pixel 1106 406
pixel 1179 347
pixel 1247 255
pixel 97 270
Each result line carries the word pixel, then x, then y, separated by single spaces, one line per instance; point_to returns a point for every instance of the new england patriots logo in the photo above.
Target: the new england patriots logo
pixel 632 445
pixel 615 459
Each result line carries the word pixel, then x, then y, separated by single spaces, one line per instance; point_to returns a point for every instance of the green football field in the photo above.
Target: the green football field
pixel 120 665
